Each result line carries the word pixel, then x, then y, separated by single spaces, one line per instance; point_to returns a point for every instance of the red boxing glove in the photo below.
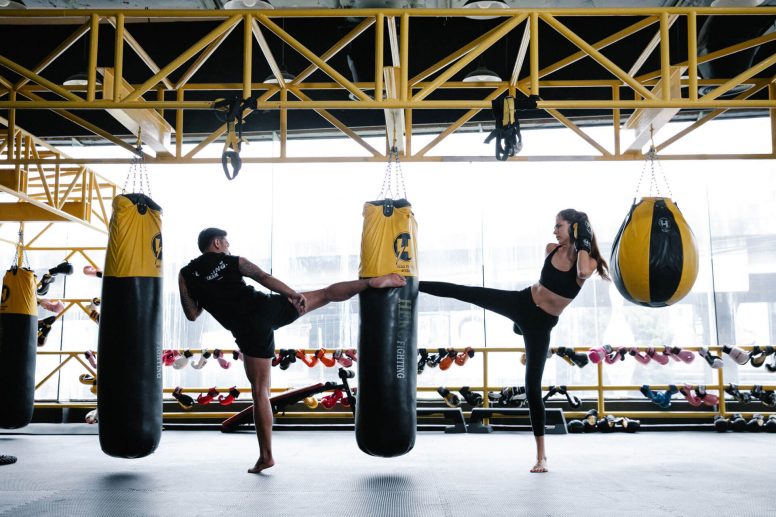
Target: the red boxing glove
pixel 327 361
pixel 329 401
pixel 233 394
pixel 309 361
pixel 464 356
pixel 206 399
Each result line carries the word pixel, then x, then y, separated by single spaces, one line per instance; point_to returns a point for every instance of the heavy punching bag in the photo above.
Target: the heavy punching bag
pixel 129 372
pixel 654 259
pixel 387 347
pixel 18 337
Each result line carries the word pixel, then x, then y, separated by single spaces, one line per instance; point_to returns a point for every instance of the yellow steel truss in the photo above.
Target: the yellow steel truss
pixel 45 188
pixel 413 92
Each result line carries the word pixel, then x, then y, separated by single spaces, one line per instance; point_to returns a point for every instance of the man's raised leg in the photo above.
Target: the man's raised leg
pixel 258 372
pixel 342 291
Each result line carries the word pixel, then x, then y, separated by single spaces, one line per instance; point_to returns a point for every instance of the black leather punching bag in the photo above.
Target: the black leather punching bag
pixel 129 373
pixel 387 374
pixel 18 337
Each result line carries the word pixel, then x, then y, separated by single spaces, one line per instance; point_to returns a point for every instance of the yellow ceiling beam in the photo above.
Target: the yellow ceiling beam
pixel 155 131
pixel 644 123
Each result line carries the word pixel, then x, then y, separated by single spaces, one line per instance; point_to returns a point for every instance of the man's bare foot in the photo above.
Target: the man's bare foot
pixel 540 467
pixel 261 465
pixel 391 280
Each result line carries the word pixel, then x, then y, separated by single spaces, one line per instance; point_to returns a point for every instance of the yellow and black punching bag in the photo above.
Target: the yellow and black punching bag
pixel 654 256
pixel 18 338
pixel 387 346
pixel 129 400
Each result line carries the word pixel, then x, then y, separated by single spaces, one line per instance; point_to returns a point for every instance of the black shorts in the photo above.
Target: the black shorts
pixel 255 335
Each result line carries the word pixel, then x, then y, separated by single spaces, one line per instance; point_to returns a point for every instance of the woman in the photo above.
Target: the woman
pixel 535 310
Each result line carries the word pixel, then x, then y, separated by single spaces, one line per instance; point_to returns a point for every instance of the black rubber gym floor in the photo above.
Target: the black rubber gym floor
pixel 322 473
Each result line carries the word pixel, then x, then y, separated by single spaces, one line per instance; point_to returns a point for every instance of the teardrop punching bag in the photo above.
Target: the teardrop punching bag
pixel 654 259
pixel 387 346
pixel 129 372
pixel 18 337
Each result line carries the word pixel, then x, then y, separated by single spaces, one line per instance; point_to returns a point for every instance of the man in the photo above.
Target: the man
pixel 214 282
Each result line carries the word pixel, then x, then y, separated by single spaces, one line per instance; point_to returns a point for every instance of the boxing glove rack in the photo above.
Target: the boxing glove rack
pixel 78 357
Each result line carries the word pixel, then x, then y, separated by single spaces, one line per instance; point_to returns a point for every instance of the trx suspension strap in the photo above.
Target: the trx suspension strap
pixel 509 142
pixel 233 110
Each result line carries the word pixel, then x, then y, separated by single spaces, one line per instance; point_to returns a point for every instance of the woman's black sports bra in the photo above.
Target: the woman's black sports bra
pixel 562 283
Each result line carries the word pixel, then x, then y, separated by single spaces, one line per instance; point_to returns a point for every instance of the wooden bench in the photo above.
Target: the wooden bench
pixel 278 403
pixel 555 424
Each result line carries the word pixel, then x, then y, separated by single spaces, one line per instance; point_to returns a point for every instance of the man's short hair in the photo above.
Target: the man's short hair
pixel 207 235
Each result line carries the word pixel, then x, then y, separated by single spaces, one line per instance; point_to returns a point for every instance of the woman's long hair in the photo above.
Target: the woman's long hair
pixel 574 216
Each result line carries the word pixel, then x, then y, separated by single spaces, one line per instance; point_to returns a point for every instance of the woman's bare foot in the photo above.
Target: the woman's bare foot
pixel 261 465
pixel 391 280
pixel 540 467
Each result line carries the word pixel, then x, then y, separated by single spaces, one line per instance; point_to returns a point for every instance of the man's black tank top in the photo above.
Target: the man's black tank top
pixel 215 282
pixel 562 283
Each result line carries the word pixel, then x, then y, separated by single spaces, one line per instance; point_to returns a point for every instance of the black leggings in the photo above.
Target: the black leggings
pixel 535 324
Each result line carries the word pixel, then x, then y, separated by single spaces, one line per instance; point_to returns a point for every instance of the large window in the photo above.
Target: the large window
pixel 479 224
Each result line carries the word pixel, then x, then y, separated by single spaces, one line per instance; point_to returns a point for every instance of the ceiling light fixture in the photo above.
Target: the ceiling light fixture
pixel 7 4
pixel 80 79
pixel 287 77
pixel 248 4
pixel 482 5
pixel 481 75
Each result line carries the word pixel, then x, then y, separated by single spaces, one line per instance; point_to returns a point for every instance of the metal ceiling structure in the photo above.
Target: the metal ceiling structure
pixel 632 68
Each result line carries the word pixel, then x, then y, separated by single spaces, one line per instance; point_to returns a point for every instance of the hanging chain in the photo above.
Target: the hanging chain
pixel 138 170
pixel 20 251
pixel 651 158
pixel 388 179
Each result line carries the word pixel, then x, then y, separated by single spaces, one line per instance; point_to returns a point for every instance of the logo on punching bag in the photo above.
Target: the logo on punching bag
pixel 401 247
pixel 6 293
pixel 156 246
pixel 664 224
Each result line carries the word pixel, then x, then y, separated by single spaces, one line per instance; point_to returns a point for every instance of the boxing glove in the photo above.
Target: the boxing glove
pixel 44 328
pixel 422 359
pixel 471 398
pixel 713 360
pixel 237 355
pixel 184 401
pixel 342 359
pixel 218 355
pixel 657 356
pixel 169 357
pixel 55 306
pixel 451 399
pixel 91 357
pixel 736 354
pixel 326 361
pixel 202 360
pixel 206 399
pixel 596 355
pixel 329 401
pixel 182 360
pixel 310 361
pixel 639 356
pixel 583 235
pixel 91 417
pixel 233 394
pixel 448 359
pixel 92 271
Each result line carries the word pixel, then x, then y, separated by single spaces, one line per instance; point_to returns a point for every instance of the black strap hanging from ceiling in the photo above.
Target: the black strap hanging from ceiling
pixel 232 111
pixel 509 142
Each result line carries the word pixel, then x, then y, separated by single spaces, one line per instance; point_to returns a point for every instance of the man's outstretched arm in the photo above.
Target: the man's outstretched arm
pixel 190 307
pixel 251 270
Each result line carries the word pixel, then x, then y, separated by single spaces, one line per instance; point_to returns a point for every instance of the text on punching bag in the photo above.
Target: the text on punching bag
pixel 404 309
